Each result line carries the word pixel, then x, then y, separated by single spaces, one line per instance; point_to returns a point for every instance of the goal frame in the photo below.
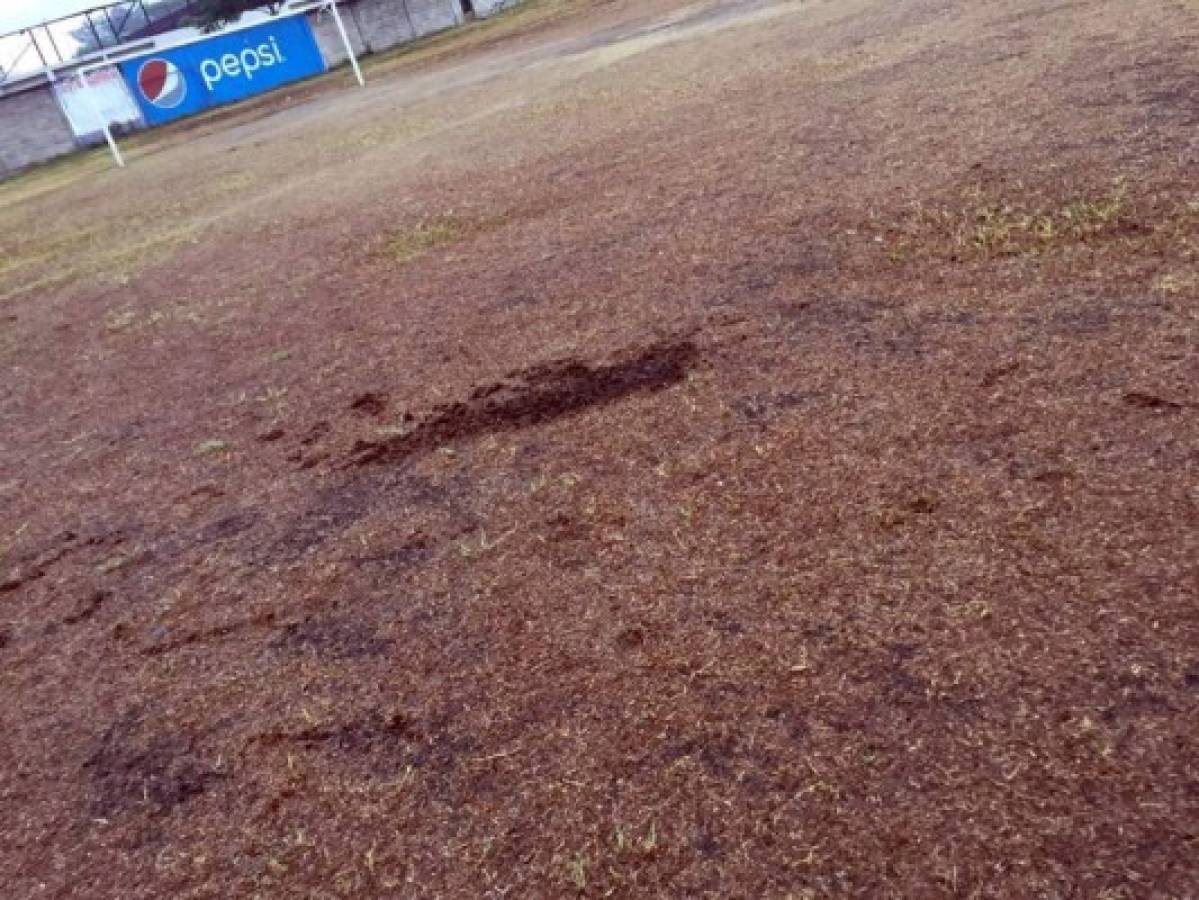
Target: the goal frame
pixel 299 9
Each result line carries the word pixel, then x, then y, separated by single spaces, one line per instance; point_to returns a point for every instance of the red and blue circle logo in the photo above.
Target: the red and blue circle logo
pixel 161 83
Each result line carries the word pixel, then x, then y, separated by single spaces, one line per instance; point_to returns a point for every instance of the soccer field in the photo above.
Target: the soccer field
pixel 671 449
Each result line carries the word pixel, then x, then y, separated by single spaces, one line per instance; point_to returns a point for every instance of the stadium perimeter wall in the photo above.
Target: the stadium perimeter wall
pixel 33 127
pixel 377 25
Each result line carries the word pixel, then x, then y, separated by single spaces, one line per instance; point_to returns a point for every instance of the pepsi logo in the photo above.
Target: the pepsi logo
pixel 161 83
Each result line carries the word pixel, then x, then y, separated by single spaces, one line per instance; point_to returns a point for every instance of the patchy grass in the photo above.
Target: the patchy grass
pixel 879 589
pixel 1006 229
pixel 1177 283
pixel 515 21
pixel 406 245
pixel 130 319
pixel 1028 223
pixel 214 445
pixel 38 181
pixel 88 256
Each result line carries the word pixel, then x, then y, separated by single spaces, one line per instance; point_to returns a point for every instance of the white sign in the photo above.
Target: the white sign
pixel 109 97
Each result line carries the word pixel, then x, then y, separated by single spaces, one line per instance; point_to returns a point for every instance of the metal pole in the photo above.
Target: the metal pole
pixel 95 34
pixel 36 46
pixel 124 22
pixel 102 119
pixel 116 35
pixel 345 39
pixel 54 44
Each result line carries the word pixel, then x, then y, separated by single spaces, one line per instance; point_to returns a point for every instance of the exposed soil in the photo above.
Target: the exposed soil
pixel 628 449
pixel 529 398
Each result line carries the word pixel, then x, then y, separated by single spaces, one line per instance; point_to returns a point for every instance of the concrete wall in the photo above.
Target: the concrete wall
pixel 485 8
pixel 383 24
pixel 377 25
pixel 429 16
pixel 32 129
pixel 324 29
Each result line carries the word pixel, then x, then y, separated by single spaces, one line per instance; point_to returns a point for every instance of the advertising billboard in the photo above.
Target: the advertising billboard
pixel 174 82
pixel 103 99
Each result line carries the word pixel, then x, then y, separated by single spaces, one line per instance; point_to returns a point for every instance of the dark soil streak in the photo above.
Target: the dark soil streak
pixel 88 608
pixel 386 741
pixel 208 635
pixel 1142 400
pixel 129 770
pixel 39 564
pixel 331 639
pixel 534 396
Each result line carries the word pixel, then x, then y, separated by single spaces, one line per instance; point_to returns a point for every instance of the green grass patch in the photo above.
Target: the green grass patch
pixel 1026 223
pixel 1008 229
pixel 407 245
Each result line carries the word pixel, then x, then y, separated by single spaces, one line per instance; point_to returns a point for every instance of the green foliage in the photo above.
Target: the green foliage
pixel 212 15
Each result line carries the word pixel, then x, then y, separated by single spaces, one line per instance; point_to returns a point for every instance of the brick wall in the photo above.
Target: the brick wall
pixel 32 129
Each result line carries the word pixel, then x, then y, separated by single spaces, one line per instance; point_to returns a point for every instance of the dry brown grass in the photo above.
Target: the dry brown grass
pixel 739 449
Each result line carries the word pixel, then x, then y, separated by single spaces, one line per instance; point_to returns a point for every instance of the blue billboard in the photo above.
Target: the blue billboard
pixel 180 81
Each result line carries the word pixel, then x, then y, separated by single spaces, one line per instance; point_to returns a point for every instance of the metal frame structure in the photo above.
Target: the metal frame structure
pixel 331 5
pixel 125 21
pixel 299 9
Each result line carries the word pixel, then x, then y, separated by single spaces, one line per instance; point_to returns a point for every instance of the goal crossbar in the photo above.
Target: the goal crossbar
pixel 298 9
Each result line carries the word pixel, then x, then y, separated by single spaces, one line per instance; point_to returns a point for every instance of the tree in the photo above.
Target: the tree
pixel 126 20
pixel 122 21
pixel 212 15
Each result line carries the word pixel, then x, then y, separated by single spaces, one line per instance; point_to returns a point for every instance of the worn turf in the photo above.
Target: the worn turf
pixel 629 449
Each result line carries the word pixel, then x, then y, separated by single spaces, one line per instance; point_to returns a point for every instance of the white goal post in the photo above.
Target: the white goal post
pixel 331 5
pixel 302 7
